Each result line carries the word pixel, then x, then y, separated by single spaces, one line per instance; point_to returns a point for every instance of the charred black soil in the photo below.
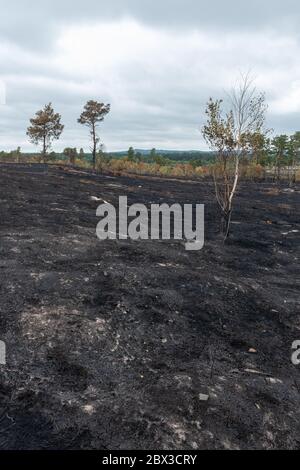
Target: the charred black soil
pixel 111 344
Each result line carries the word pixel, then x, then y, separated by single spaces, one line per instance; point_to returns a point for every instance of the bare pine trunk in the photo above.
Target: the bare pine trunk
pixel 294 170
pixel 94 147
pixel 44 149
pixel 278 168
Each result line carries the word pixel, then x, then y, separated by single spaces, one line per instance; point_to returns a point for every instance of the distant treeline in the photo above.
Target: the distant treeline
pixel 279 157
pixel 198 158
pixel 168 155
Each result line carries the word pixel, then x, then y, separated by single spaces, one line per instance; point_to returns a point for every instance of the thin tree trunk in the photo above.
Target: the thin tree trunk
pixel 227 222
pixel 44 148
pixel 236 179
pixel 278 167
pixel 94 147
pixel 294 170
pixel 228 210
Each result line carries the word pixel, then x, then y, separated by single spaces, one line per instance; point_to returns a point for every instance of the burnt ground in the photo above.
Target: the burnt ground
pixel 110 344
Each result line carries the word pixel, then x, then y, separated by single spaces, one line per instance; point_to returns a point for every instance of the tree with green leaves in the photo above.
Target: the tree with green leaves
pixel 230 134
pixel 152 155
pixel 16 155
pixel 52 156
pixel 294 155
pixel 296 144
pixel 131 154
pixel 280 145
pixel 260 148
pixel 160 160
pixel 138 157
pixel 102 159
pixel 71 154
pixel 44 128
pixel 94 113
pixel 81 154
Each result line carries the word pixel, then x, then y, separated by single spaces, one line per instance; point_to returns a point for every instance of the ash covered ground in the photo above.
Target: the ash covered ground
pixel 111 344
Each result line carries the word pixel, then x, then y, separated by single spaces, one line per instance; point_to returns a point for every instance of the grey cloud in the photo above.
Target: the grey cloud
pixel 153 104
pixel 35 23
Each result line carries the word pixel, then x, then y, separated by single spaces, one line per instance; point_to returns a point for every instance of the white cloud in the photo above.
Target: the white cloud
pixel 289 102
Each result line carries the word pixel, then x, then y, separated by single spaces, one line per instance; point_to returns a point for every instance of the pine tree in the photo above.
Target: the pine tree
pixel 94 113
pixel 45 127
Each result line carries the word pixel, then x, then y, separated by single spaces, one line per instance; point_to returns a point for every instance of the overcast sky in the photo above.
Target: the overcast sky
pixel 156 62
